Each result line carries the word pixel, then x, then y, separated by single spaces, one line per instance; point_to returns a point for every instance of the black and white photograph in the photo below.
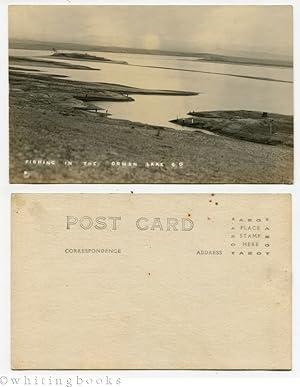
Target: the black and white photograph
pixel 188 94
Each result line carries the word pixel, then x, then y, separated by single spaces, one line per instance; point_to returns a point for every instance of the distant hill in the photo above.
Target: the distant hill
pixel 244 60
pixel 255 59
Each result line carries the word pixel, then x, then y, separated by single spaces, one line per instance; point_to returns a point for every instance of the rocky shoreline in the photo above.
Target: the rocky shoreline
pixel 260 127
pixel 58 138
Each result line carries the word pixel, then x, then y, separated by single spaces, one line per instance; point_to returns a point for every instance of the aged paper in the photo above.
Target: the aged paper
pixel 159 281
pixel 151 94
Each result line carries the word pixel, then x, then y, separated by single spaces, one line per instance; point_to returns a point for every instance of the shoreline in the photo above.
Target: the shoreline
pixel 83 57
pixel 97 91
pixel 24 61
pixel 48 123
pixel 202 56
pixel 246 125
pixel 214 73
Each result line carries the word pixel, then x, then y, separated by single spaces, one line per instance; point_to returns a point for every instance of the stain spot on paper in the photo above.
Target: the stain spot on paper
pixel 37 210
pixel 19 201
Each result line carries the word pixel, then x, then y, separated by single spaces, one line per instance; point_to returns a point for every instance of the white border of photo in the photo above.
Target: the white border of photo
pixel 145 378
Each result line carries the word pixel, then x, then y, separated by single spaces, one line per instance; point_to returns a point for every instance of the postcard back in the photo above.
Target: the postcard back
pixel 159 281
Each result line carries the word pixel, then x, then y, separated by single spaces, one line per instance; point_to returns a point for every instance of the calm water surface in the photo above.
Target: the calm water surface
pixel 216 91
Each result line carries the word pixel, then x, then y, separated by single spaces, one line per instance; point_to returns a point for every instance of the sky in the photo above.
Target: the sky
pixel 185 28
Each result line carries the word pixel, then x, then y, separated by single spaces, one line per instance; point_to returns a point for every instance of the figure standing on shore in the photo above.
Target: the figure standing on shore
pixel 270 126
pixel 269 122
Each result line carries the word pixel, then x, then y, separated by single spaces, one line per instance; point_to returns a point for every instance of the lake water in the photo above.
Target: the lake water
pixel 216 91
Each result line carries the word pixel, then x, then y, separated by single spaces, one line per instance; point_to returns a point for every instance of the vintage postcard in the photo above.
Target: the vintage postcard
pixel 151 94
pixel 151 281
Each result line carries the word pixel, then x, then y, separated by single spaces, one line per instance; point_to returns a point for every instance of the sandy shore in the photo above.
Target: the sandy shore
pixel 84 57
pixel 23 61
pixel 215 73
pixel 46 126
pixel 259 127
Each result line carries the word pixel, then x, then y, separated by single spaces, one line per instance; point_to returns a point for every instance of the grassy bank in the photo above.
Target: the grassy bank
pixel 259 127
pixel 46 125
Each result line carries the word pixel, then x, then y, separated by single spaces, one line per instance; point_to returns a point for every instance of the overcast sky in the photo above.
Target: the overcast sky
pixel 188 28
